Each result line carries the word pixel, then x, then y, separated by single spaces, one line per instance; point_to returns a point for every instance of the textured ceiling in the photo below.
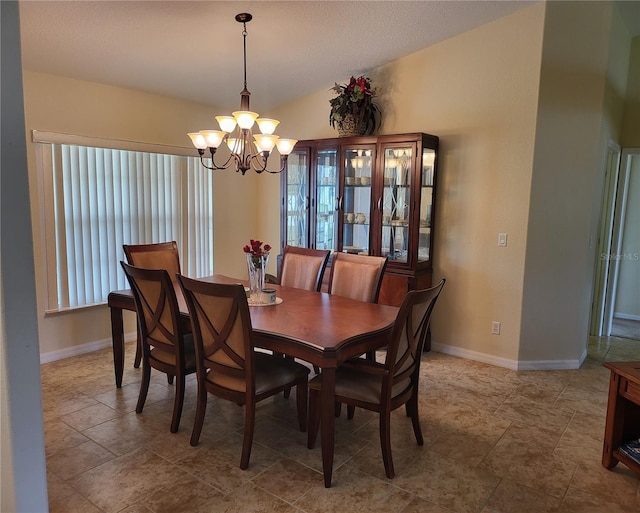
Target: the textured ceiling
pixel 193 49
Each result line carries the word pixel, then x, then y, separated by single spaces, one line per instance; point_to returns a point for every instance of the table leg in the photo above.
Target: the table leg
pixel 117 339
pixel 327 421
pixel 614 423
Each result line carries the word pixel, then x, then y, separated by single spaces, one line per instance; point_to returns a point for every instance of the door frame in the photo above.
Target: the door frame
pixel 610 236
pixel 622 197
pixel 605 235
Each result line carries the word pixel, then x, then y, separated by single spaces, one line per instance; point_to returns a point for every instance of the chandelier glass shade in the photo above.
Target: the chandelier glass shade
pixel 247 150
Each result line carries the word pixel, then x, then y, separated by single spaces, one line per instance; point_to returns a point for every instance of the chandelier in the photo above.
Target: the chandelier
pixel 248 151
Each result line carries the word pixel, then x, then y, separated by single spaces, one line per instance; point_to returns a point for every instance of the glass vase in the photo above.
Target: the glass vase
pixel 257 267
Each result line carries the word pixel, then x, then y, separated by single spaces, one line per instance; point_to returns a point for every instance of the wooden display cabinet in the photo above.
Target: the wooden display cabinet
pixel 372 195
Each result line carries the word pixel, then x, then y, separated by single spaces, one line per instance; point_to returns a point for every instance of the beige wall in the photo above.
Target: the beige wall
pixel 631 122
pixel 574 125
pixel 58 104
pixel 478 92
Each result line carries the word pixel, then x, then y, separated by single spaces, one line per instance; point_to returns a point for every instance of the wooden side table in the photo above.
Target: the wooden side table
pixel 623 413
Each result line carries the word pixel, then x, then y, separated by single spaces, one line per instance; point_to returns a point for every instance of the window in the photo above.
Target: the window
pixel 97 198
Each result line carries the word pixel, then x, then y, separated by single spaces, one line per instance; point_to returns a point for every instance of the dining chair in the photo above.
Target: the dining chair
pixel 303 268
pixel 227 364
pixel 160 255
pixel 383 387
pixel 357 276
pixel 166 346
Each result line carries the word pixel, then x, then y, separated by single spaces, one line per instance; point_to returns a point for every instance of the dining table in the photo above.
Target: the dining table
pixel 320 328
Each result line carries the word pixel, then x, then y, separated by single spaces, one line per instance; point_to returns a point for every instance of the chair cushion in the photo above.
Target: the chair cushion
pixel 271 372
pixel 300 271
pixel 351 383
pixel 168 358
pixel 355 280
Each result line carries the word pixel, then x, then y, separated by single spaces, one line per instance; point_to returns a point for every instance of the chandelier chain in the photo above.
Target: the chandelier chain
pixel 244 38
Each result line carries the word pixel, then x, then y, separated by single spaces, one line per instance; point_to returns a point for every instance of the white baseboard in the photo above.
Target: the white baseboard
pixel 626 317
pixel 89 347
pixel 507 363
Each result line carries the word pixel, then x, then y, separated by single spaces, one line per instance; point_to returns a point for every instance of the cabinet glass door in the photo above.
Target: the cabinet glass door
pixel 296 202
pixel 326 198
pixel 396 203
pixel 426 205
pixel 356 205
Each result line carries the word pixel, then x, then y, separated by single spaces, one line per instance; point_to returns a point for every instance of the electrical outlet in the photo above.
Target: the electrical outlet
pixel 495 327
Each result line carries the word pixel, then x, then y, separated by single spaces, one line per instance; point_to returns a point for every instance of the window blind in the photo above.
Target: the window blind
pixel 101 198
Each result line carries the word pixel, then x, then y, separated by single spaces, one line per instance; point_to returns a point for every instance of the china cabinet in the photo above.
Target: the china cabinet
pixel 371 195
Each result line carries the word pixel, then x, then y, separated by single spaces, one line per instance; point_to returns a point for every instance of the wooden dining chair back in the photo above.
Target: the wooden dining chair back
pixel 227 364
pixel 161 255
pixel 357 276
pixel 303 268
pixel 383 387
pixel 166 346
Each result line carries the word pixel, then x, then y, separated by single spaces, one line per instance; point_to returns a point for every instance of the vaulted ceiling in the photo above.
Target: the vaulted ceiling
pixel 193 49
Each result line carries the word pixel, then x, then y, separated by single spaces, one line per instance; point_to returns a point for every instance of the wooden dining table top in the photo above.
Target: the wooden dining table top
pixel 315 321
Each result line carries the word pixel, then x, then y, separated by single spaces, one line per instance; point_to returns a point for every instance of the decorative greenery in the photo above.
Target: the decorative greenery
pixel 356 99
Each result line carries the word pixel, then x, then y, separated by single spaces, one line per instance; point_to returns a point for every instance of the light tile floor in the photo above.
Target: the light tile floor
pixel 496 441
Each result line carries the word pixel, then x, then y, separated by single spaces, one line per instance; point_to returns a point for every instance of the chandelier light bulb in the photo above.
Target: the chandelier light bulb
pixel 285 146
pixel 227 123
pixel 245 118
pixel 265 142
pixel 198 140
pixel 267 126
pixel 213 138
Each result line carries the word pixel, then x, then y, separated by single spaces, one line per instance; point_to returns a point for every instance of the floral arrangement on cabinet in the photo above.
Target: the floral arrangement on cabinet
pixel 352 110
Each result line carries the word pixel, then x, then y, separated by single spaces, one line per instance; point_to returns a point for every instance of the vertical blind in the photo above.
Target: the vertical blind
pixel 102 198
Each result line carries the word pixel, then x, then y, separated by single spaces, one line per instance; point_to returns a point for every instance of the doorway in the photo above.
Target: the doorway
pixel 616 308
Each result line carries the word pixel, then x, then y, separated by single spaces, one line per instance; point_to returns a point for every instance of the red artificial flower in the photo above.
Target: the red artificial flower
pixel 256 249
